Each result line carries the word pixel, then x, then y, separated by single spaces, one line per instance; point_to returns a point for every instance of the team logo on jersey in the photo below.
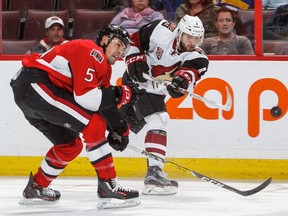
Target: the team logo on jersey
pixel 159 53
pixel 170 26
pixel 97 55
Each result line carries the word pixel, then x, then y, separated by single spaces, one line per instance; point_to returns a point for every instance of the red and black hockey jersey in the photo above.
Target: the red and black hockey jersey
pixel 79 66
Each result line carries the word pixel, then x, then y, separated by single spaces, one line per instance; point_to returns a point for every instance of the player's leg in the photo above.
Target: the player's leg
pixel 56 159
pixel 152 108
pixel 156 181
pixel 54 113
pixel 100 156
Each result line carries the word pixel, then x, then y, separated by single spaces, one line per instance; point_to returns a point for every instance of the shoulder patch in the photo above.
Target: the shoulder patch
pixel 97 55
pixel 170 26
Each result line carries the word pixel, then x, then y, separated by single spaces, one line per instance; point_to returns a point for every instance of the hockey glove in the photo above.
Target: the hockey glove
pixel 182 79
pixel 120 139
pixel 127 94
pixel 137 65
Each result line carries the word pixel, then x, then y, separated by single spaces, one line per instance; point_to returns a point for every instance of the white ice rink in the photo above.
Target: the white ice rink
pixel 195 198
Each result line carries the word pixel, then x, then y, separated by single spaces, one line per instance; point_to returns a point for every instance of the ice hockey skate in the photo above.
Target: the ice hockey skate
pixel 34 194
pixel 157 183
pixel 113 195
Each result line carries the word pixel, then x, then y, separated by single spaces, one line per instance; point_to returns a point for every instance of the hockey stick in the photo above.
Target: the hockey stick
pixel 203 177
pixel 226 106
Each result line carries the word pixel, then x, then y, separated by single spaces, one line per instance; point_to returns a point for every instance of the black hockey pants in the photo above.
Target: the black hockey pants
pixel 50 109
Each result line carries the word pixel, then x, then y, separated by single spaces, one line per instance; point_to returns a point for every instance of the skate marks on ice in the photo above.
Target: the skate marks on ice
pixel 79 197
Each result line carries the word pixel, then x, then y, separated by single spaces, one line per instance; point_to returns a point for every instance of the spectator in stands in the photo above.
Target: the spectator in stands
pixel 205 9
pixel 276 28
pixel 169 6
pixel 240 27
pixel 227 42
pixel 137 14
pixel 272 4
pixel 54 35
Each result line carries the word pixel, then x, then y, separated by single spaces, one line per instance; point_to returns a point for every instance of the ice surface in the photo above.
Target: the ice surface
pixel 194 197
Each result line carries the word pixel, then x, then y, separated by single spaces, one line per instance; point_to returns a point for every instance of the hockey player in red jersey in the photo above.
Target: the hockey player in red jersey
pixel 168 52
pixel 66 93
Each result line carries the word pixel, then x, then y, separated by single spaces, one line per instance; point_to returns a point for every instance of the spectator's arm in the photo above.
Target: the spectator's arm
pixel 117 19
pixel 158 16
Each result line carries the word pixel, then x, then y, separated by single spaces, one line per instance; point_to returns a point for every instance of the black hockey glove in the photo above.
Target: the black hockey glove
pixel 181 79
pixel 120 139
pixel 137 65
pixel 127 94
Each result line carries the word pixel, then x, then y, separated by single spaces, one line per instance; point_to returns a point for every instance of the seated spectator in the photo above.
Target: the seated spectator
pixel 227 42
pixel 169 6
pixel 206 11
pixel 272 4
pixel 276 28
pixel 54 35
pixel 246 29
pixel 137 14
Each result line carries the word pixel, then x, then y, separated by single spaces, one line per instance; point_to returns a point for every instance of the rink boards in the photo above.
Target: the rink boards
pixel 245 142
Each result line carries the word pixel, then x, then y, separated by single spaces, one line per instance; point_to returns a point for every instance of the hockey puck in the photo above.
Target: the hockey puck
pixel 276 111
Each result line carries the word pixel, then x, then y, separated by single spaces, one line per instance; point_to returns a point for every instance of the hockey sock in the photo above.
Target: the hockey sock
pixel 155 142
pixel 57 158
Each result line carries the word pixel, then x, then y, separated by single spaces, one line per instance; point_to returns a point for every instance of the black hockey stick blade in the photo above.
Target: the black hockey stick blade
pixel 227 187
pixel 203 177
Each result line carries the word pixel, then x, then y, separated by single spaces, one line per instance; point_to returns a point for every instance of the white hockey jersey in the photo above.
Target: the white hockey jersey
pixel 158 41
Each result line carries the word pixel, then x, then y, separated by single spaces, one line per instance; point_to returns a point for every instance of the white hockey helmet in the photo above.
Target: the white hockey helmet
pixel 190 25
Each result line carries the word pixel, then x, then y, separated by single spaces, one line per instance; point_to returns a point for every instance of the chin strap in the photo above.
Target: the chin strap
pixel 178 42
pixel 105 45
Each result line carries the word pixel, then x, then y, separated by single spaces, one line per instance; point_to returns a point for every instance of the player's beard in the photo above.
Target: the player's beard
pixel 181 48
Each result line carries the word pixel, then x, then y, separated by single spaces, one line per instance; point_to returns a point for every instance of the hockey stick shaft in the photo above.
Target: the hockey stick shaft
pixel 203 177
pixel 226 106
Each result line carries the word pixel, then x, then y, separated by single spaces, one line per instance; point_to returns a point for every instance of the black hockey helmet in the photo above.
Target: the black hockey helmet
pixel 113 30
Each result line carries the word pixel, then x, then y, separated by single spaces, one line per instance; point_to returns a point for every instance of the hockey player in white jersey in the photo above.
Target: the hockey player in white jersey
pixel 168 52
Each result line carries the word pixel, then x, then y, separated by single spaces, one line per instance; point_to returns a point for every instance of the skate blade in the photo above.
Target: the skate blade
pixel 154 190
pixel 25 201
pixel 108 203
